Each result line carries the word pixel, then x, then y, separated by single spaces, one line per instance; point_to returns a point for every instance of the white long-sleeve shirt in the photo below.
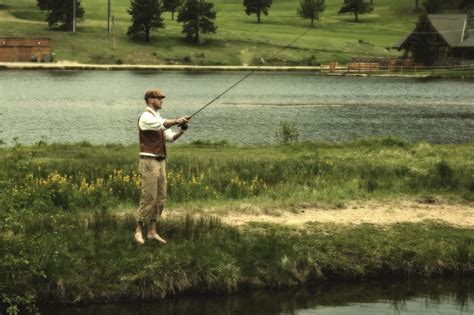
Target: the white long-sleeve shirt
pixel 151 120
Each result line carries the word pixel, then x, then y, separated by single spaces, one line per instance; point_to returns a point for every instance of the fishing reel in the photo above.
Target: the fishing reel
pixel 183 127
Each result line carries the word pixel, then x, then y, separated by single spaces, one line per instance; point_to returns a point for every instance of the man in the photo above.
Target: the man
pixel 153 133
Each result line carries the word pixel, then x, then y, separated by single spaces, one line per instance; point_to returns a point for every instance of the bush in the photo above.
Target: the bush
pixel 287 133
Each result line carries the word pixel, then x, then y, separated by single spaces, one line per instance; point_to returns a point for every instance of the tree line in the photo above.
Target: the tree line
pixel 197 16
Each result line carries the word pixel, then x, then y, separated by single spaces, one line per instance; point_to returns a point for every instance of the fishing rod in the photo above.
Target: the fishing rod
pixel 262 62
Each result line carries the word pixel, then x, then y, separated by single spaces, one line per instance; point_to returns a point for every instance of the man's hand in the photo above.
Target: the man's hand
pixel 182 120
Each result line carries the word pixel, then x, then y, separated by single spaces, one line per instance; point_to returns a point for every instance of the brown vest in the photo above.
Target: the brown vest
pixel 152 141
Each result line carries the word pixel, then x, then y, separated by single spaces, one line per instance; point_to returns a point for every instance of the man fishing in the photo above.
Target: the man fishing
pixel 153 133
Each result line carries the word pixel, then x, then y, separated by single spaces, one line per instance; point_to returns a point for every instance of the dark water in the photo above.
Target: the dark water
pixel 416 297
pixel 103 106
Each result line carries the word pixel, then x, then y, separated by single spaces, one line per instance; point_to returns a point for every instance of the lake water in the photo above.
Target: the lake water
pixel 103 106
pixel 369 298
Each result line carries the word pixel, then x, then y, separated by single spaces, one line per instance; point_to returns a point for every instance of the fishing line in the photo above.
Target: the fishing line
pixel 249 74
pixel 304 33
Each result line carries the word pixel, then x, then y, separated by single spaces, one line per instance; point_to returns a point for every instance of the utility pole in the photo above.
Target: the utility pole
pixel 108 17
pixel 73 16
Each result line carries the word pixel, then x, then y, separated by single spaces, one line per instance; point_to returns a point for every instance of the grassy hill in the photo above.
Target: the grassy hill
pixel 239 39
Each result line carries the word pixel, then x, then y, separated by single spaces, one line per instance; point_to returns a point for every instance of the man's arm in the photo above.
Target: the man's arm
pixel 172 136
pixel 178 134
pixel 177 121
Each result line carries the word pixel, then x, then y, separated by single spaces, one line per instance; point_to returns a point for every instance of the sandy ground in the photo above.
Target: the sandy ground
pixel 354 213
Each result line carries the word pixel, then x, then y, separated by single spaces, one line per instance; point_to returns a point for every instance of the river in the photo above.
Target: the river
pixel 103 106
pixel 369 298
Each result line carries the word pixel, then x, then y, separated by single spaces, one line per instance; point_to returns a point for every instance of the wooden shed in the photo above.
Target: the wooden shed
pixel 25 49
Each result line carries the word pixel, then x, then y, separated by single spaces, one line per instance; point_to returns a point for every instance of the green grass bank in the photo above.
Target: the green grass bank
pixel 63 241
pixel 239 40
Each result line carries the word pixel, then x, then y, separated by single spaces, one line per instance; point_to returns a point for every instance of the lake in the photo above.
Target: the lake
pixel 103 106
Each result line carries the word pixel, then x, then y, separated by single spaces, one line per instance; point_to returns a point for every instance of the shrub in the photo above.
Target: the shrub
pixel 287 133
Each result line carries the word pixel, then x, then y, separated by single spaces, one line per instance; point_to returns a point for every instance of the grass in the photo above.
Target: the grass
pixel 59 219
pixel 47 259
pixel 81 174
pixel 239 39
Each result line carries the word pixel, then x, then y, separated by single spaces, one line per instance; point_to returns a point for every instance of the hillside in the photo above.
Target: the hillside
pixel 239 39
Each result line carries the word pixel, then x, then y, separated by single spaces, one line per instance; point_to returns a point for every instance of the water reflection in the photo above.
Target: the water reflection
pixel 389 297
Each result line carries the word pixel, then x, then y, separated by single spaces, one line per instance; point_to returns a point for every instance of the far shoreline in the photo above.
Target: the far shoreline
pixel 83 66
pixel 115 67
pixel 321 70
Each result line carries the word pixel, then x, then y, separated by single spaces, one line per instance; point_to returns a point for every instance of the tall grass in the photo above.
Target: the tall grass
pixel 68 259
pixel 92 177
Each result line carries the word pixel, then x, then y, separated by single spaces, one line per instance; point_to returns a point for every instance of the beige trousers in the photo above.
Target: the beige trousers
pixel 153 196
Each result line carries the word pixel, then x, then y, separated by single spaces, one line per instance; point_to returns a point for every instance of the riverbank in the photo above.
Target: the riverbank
pixel 464 73
pixel 78 66
pixel 66 239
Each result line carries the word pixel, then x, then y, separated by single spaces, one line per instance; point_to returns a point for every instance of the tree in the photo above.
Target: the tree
pixel 60 11
pixel 172 6
pixel 146 15
pixel 357 7
pixel 433 6
pixel 197 17
pixel 467 5
pixel 424 45
pixel 417 5
pixel 310 9
pixel 258 7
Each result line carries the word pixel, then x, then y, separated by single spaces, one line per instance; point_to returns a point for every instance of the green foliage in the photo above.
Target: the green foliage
pixel 356 7
pixel 466 5
pixel 146 15
pixel 433 6
pixel 197 17
pixel 206 255
pixel 172 6
pixel 60 11
pixel 424 44
pixel 257 7
pixel 287 133
pixel 311 9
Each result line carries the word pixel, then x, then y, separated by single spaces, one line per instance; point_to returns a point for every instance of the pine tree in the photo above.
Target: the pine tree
pixel 433 6
pixel 310 9
pixel 198 17
pixel 60 12
pixel 172 6
pixel 467 5
pixel 258 7
pixel 424 45
pixel 146 15
pixel 357 7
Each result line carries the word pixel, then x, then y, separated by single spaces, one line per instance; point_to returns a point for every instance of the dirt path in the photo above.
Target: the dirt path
pixel 355 213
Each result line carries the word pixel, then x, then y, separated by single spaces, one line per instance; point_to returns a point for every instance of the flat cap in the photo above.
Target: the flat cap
pixel 156 93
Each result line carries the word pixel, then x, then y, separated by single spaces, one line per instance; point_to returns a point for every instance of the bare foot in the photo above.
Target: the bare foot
pixel 139 238
pixel 156 237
